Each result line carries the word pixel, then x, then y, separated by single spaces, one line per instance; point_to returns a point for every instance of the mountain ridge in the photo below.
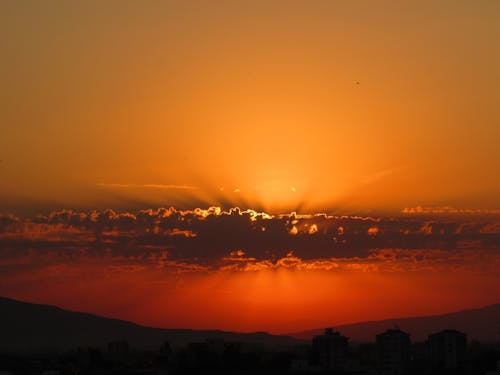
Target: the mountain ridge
pixel 37 327
pixel 482 324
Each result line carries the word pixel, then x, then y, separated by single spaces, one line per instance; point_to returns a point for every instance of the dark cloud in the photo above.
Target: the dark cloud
pixel 445 210
pixel 237 239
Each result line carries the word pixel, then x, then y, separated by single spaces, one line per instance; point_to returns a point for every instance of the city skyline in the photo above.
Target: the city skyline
pixel 107 346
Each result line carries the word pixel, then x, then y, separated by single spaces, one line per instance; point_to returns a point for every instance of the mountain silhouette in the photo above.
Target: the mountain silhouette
pixel 29 327
pixel 482 324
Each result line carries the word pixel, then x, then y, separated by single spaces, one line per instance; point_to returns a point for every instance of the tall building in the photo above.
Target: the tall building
pixel 447 350
pixel 330 350
pixel 393 349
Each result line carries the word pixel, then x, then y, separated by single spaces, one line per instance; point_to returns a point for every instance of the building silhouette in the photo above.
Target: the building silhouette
pixel 118 350
pixel 216 345
pixel 393 352
pixel 330 350
pixel 447 350
pixel 496 371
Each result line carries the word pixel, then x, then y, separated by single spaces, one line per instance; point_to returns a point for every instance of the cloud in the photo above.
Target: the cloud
pixel 213 239
pixel 147 186
pixel 449 210
pixel 198 260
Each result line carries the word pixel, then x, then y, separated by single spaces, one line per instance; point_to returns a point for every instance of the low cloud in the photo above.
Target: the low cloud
pixel 434 210
pixel 213 239
pixel 147 186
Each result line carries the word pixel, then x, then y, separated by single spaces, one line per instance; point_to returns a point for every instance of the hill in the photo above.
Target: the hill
pixel 28 327
pixel 481 324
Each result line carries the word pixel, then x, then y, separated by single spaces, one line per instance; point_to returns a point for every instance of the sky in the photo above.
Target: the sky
pixel 292 104
pixel 123 122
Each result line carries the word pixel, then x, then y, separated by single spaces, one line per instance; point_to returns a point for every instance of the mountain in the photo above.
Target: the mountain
pixel 481 324
pixel 32 327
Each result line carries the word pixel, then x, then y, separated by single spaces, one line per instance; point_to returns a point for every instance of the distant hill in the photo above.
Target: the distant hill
pixel 481 324
pixel 28 327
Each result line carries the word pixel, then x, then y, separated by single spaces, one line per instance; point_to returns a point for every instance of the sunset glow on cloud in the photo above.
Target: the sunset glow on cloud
pixel 238 266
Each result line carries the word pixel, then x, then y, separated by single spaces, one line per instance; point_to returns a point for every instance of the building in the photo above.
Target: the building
pixel 447 350
pixel 494 372
pixel 118 350
pixel 330 350
pixel 393 352
pixel 216 345
pixel 303 366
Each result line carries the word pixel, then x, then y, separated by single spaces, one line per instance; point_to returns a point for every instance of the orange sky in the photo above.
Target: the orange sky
pixel 292 104
pixel 381 109
pixel 280 300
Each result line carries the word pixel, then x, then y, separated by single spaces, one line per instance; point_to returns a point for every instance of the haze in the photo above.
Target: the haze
pixel 279 105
